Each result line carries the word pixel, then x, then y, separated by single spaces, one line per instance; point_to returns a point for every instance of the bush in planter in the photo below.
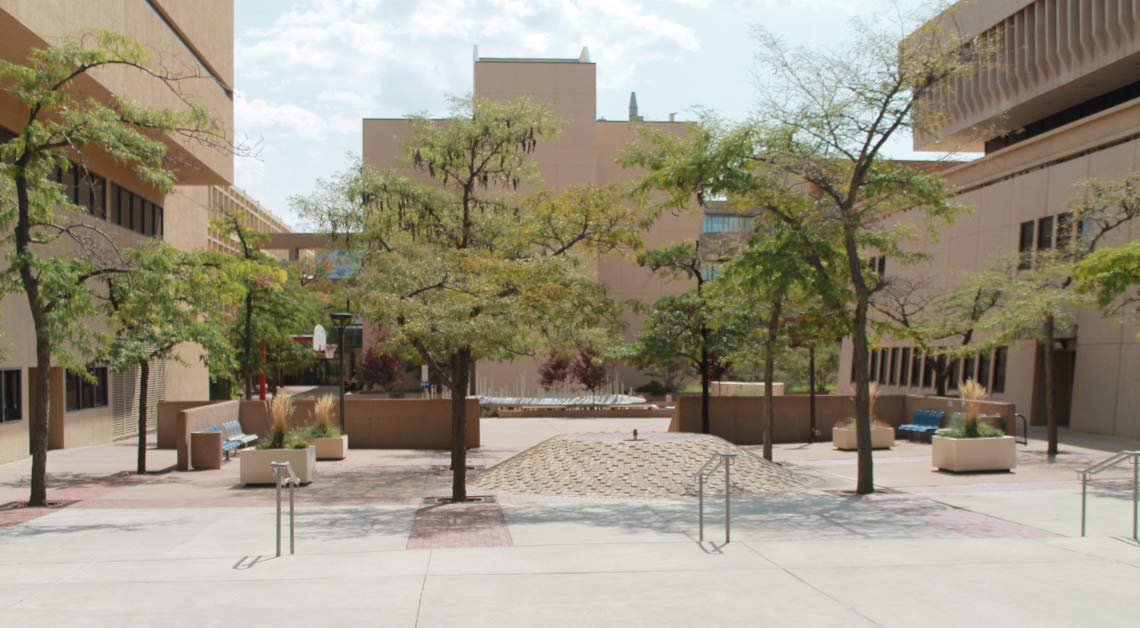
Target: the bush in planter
pixel 281 409
pixel 972 394
pixel 323 411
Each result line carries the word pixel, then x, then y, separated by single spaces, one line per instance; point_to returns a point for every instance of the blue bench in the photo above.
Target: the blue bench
pixel 233 432
pixel 924 422
pixel 227 444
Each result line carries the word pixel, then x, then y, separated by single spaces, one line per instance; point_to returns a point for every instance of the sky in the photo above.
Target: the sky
pixel 308 71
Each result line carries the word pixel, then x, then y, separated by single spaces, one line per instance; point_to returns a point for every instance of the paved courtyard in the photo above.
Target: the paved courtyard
pixel 931 549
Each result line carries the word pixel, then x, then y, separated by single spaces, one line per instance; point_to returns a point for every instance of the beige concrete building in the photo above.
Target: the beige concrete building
pixel 191 37
pixel 230 200
pixel 583 154
pixel 1065 98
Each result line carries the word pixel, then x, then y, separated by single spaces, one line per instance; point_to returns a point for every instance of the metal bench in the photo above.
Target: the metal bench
pixel 924 422
pixel 233 432
pixel 227 445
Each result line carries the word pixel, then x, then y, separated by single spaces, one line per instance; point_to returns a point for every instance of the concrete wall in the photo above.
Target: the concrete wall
pixel 194 419
pixel 380 423
pixel 741 419
pixel 743 389
pixel 167 434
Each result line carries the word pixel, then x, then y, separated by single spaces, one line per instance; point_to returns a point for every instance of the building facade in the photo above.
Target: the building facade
pixel 227 201
pixel 192 38
pixel 583 154
pixel 1063 101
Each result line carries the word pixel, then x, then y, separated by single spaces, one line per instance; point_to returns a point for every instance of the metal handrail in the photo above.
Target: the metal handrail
pixel 1024 423
pixel 292 481
pixel 1107 463
pixel 715 461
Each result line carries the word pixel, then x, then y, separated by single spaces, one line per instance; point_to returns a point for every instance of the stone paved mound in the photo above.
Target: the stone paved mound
pixel 611 465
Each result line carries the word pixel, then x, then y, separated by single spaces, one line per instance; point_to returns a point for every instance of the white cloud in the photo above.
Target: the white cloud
pixel 260 115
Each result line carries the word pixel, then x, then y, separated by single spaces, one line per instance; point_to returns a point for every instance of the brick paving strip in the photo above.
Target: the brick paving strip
pixel 959 520
pixel 459 525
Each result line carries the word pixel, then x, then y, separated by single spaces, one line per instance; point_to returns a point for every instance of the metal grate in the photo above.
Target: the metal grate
pixel 125 399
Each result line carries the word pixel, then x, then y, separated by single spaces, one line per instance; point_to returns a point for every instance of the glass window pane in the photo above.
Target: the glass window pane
pixel 1000 357
pixel 904 366
pixel 1045 233
pixel 984 370
pixel 72 392
pixel 1025 245
pixel 916 370
pixel 893 372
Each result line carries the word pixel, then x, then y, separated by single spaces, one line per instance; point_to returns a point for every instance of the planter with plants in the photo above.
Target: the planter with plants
pixel 843 435
pixel 325 435
pixel 281 445
pixel 971 444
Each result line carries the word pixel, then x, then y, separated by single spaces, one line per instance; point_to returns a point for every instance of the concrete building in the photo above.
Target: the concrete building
pixel 230 200
pixel 583 154
pixel 184 36
pixel 1065 102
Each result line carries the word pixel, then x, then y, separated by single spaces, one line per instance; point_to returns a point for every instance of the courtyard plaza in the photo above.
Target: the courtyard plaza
pixel 928 549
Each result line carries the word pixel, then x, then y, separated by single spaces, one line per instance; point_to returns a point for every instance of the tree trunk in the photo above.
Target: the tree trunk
pixel 941 375
pixel 866 481
pixel 1050 393
pixel 706 423
pixel 459 377
pixel 770 376
pixel 38 432
pixel 811 393
pixel 144 380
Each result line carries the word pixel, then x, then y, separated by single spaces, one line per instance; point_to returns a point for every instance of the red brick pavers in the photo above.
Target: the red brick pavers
pixel 459 525
pixel 965 522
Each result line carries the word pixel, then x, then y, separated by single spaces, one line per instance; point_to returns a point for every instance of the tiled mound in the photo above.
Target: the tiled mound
pixel 612 465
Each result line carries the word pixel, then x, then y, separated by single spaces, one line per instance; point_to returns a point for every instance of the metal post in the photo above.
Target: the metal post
pixel 341 404
pixel 277 483
pixel 1084 499
pixel 701 503
pixel 292 485
pixel 727 501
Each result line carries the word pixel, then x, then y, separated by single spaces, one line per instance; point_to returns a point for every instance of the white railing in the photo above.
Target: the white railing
pixel 1087 473
pixel 717 460
pixel 292 481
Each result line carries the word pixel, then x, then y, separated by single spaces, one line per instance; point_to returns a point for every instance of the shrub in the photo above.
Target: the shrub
pixel 972 394
pixel 280 409
pixel 323 411
pixel 653 388
pixel 380 370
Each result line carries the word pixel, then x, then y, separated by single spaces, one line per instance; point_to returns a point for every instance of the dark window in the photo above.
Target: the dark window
pixel 1045 233
pixel 893 373
pixel 1025 245
pixel 874 365
pixel 928 372
pixel 942 367
pixel 1064 230
pixel 968 368
pixel 916 370
pixel 10 395
pixel 904 367
pixel 882 266
pixel 1086 228
pixel 984 370
pixel 83 394
pixel 1001 354
pixel 882 366
pixel 952 375
pixel 136 214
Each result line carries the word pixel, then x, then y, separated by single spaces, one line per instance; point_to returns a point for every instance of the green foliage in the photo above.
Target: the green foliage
pixel 1111 275
pixel 671 338
pixel 959 430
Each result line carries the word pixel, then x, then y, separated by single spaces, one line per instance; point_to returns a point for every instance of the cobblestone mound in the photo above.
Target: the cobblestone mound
pixel 612 465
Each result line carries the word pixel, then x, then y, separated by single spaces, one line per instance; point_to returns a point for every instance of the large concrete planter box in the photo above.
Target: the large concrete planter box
pixel 844 438
pixel 974 454
pixel 331 448
pixel 255 468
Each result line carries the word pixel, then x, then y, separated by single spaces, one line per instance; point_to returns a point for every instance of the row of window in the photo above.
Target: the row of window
pixel 83 394
pixel 878 265
pixel 10 395
pixel 89 190
pixel 725 223
pixel 1042 234
pixel 904 367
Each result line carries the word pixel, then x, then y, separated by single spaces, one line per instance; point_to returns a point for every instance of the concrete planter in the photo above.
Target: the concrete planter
pixel 844 438
pixel 255 467
pixel 331 448
pixel 974 454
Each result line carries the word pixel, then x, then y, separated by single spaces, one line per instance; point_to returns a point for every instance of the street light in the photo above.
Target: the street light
pixel 340 321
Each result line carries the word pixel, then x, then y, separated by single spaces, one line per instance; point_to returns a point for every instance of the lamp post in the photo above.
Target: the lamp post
pixel 340 321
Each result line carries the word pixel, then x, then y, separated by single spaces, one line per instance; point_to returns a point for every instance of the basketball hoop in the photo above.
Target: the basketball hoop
pixel 330 351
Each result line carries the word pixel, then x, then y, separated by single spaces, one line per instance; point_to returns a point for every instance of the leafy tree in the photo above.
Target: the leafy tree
pixel 554 370
pixel 591 369
pixel 61 123
pixel 1111 274
pixel 168 298
pixel 818 166
pixel 380 369
pixel 1040 302
pixel 459 264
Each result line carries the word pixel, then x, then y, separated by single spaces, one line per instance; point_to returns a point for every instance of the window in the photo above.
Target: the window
pixel 916 370
pixel 892 375
pixel 10 395
pixel 710 271
pixel 882 266
pixel 1085 230
pixel 883 366
pixel 968 368
pixel 1025 246
pixel 874 365
pixel 952 374
pixel 84 188
pixel 723 223
pixel 1064 230
pixel 928 372
pixel 1045 233
pixel 83 394
pixel 1001 354
pixel 135 212
pixel 984 370
pixel 904 366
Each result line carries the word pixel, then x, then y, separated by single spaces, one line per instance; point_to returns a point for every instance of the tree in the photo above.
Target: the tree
pixel 1041 295
pixel 168 298
pixel 683 261
pixel 380 369
pixel 274 304
pixel 591 369
pixel 62 124
pixel 1111 274
pixel 818 157
pixel 458 264
pixel 554 370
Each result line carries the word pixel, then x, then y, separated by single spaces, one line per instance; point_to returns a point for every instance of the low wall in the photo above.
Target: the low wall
pixel 194 419
pixel 741 419
pixel 167 417
pixel 743 389
pixel 564 413
pixel 380 423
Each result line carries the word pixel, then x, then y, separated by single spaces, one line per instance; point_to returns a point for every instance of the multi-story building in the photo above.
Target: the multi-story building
pixel 1064 99
pixel 583 154
pixel 227 201
pixel 193 38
